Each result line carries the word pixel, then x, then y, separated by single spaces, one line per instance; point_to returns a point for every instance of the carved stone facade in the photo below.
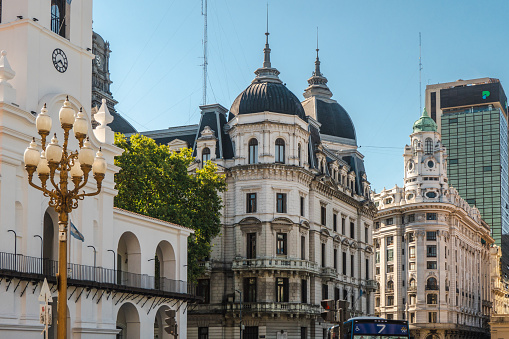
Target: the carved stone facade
pixel 433 263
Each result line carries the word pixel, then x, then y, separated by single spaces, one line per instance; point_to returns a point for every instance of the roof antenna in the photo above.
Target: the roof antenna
pixel 205 38
pixel 420 76
pixel 317 62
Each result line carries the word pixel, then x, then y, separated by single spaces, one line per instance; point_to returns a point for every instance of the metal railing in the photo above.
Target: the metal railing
pixel 25 265
pixel 431 287
pixel 279 263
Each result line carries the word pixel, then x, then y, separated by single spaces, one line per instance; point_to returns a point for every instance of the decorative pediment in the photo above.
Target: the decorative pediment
pixel 325 232
pixel 354 245
pixel 177 144
pixel 336 238
pixel 345 242
pixel 369 249
pixel 250 221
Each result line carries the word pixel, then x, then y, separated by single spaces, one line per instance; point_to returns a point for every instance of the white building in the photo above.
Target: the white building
pixel 297 217
pixel 48 57
pixel 433 262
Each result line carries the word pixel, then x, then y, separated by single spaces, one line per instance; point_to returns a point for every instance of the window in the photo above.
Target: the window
pixel 58 17
pixel 282 294
pixel 301 206
pixel 280 151
pixel 428 146
pixel 413 284
pixel 367 269
pixel 303 333
pixel 366 234
pixel 352 265
pixel 323 255
pixel 431 251
pixel 453 161
pixel 352 230
pixel 431 265
pixel 432 299
pixel 412 317
pixel 389 221
pixel 281 202
pixel 281 243
pixel 377 225
pixel 203 290
pixel 390 316
pixel 336 259
pixel 377 257
pixel 411 217
pixel 390 268
pixel 432 317
pixel 377 302
pixel 303 247
pixel 253 151
pixel 325 292
pixel 251 203
pixel 377 270
pixel 486 168
pixel 250 290
pixel 323 215
pixel 251 245
pixel 343 223
pixel 403 251
pixel 304 291
pixel 431 236
pixel 411 252
pixel 411 266
pixel 299 154
pixel 344 263
pixel 203 333
pixel 390 254
pixel 390 240
pixel 431 284
pixel 411 237
pixel 335 222
pixel 390 300
pixel 205 155
pixel 431 216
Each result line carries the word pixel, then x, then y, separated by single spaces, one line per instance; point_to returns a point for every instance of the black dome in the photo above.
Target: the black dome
pixel 335 120
pixel 267 96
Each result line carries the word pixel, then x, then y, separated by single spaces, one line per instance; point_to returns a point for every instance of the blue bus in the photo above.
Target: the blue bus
pixel 371 328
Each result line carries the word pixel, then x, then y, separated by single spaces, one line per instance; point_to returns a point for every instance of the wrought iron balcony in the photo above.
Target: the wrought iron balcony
pixel 412 288
pixel 432 287
pixel 269 307
pixel 276 263
pixel 371 285
pixel 328 272
pixel 36 269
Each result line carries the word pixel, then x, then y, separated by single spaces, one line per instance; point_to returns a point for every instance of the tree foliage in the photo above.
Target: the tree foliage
pixel 154 181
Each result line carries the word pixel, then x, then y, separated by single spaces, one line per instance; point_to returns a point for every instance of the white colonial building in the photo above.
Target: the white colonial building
pixel 297 217
pixel 115 290
pixel 433 251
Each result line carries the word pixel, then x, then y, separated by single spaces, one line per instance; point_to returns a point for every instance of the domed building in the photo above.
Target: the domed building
pixel 297 217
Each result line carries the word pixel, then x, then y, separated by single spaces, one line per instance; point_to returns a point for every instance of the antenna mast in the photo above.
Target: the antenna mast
pixel 205 63
pixel 420 76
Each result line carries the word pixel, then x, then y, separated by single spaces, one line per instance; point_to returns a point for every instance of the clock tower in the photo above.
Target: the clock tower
pixel 49 46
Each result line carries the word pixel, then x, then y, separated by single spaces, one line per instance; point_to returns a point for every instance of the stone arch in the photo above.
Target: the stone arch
pixel 128 322
pixel 165 264
pixel 159 323
pixel 128 257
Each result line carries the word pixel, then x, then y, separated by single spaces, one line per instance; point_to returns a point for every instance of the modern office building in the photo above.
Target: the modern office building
pixel 433 253
pixel 472 117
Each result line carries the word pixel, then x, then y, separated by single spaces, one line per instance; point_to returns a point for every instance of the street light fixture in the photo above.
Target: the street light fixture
pixel 57 162
pixel 240 320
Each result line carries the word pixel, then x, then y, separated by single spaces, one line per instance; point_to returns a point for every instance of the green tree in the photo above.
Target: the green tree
pixel 154 181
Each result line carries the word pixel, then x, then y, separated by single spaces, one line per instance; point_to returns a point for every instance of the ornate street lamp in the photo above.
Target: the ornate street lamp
pixel 57 163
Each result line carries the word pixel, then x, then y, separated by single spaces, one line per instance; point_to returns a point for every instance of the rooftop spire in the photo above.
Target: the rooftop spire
pixel 267 73
pixel 317 82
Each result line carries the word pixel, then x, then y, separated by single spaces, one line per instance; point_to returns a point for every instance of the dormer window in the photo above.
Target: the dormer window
pixel 58 17
pixel 205 155
pixel 280 151
pixel 299 154
pixel 253 151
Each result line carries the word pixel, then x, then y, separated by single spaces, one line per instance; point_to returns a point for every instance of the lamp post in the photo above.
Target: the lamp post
pixel 57 162
pixel 114 258
pixel 240 319
pixel 42 244
pixel 15 249
pixel 95 253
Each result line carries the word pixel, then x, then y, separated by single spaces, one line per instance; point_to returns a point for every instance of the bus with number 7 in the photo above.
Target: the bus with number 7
pixel 371 328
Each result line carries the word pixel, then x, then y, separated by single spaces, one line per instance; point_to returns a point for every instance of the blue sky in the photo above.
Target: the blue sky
pixel 369 52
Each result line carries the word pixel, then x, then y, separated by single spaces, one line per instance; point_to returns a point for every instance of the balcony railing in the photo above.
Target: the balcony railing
pixel 431 287
pixel 276 307
pixel 371 284
pixel 276 263
pixel 21 266
pixel 412 288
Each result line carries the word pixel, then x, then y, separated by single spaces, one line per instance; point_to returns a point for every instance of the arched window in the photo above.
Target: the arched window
pixel 253 151
pixel 299 154
pixel 280 150
pixel 412 283
pixel 415 144
pixel 205 155
pixel 431 284
pixel 428 145
pixel 432 299
pixel 390 285
pixel 58 17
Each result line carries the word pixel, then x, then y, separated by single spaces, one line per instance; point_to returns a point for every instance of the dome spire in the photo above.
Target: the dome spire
pixel 425 123
pixel 267 73
pixel 317 82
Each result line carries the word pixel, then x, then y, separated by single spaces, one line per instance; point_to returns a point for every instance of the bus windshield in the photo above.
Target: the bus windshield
pixel 376 329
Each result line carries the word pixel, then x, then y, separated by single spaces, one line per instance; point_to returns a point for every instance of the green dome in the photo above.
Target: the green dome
pixel 425 123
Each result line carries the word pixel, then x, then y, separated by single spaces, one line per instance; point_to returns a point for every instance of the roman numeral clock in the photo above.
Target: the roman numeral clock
pixel 59 60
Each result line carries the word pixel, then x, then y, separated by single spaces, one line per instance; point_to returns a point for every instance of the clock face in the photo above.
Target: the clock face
pixel 59 60
pixel 98 60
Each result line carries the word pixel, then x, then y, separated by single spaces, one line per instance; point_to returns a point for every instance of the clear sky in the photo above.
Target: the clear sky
pixel 369 52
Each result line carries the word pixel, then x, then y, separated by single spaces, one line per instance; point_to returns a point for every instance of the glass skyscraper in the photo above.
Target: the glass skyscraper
pixel 472 118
